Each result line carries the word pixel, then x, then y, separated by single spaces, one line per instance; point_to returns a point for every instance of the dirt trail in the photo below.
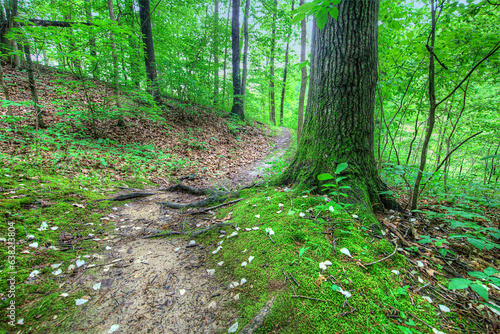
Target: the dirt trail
pixel 159 285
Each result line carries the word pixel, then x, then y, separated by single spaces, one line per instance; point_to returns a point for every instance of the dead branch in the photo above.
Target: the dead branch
pixel 320 300
pixel 385 258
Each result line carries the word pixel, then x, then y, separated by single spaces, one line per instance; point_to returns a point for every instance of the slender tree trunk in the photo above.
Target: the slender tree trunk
pixel 5 91
pixel 216 52
pixel 285 70
pixel 32 84
pixel 237 108
pixel 94 63
pixel 339 124
pixel 134 56
pixel 115 60
pixel 432 110
pixel 272 104
pixel 303 82
pixel 225 58
pixel 149 51
pixel 245 52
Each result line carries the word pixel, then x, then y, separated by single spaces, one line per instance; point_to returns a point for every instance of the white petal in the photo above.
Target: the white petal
pixel 244 264
pixel 322 266
pixel 232 234
pixel 255 228
pixel 233 328
pixel 280 205
pixel 244 251
pixel 217 250
pixel 435 331
pixel 71 267
pixel 56 265
pixel 237 297
pixel 396 272
pixel 257 216
pixel 220 263
pixel 192 242
pixel 80 263
pixel 57 272
pixel 113 328
pixel 64 294
pixel 220 242
pixel 421 280
pixel 97 286
pixel 33 245
pixel 444 308
pixel 278 212
pixel 108 248
pixel 211 271
pixel 212 305
pixel 243 281
pixel 429 299
pixel 248 229
pixel 302 214
pixel 355 216
pixel 182 291
pixel 250 259
pixel 233 285
pixel 327 263
pixel 177 249
pixel 345 251
pixel 81 301
pixel 420 264
pixel 34 273
pixel 53 228
pixel 20 321
pixel 331 209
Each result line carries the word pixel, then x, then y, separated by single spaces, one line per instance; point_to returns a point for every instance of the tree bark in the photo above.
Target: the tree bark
pixel 303 82
pixel 283 90
pixel 339 124
pixel 225 57
pixel 40 124
pixel 272 104
pixel 245 51
pixel 431 120
pixel 216 52
pixel 237 108
pixel 149 51
pixel 115 60
pixel 5 91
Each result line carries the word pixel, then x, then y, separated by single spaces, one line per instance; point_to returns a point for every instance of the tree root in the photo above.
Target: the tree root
pixel 127 196
pixel 259 318
pixel 214 196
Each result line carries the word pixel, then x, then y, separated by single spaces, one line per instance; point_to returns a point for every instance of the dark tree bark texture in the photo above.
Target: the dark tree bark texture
pixel 237 108
pixel 149 51
pixel 339 122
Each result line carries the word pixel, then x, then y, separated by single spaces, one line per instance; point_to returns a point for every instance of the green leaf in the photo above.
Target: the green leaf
pixel 493 306
pixel 340 179
pixel 490 271
pixel 299 17
pixel 303 250
pixel 494 156
pixel 459 283
pixel 341 167
pixel 478 274
pixel 334 12
pixel 306 8
pixel 321 18
pixel 335 2
pixel 476 243
pixel 325 176
pixel 480 290
pixel 335 287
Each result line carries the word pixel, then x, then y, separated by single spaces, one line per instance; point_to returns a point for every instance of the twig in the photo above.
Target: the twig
pixel 293 279
pixel 320 300
pixel 271 239
pixel 214 207
pixel 284 274
pixel 385 258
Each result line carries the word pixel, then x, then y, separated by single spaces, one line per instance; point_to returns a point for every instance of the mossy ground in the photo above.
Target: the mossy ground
pixel 68 206
pixel 376 291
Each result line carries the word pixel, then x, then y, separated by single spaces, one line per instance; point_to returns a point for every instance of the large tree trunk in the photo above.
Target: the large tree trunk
pixel 237 108
pixel 245 51
pixel 339 124
pixel 272 104
pixel 283 90
pixel 303 82
pixel 149 51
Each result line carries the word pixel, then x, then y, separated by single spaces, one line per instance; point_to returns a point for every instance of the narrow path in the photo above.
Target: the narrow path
pixel 159 285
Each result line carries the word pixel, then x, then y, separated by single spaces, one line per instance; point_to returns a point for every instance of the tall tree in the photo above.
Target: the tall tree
pixel 115 59
pixel 149 51
pixel 32 84
pixel 272 104
pixel 282 105
pixel 339 124
pixel 245 51
pixel 303 81
pixel 237 108
pixel 216 51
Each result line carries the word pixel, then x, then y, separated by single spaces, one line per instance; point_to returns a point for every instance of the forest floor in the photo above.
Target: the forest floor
pixel 275 261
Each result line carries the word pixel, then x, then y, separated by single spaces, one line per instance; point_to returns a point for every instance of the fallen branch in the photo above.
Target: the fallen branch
pixel 385 258
pixel 259 318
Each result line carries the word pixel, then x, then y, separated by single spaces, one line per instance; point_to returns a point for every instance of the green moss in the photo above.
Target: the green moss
pixel 375 290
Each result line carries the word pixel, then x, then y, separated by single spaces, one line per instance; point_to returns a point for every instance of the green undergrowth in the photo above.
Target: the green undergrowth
pixel 40 207
pixel 301 243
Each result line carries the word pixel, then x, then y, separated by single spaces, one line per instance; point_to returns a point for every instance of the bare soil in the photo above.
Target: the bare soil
pixel 160 285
